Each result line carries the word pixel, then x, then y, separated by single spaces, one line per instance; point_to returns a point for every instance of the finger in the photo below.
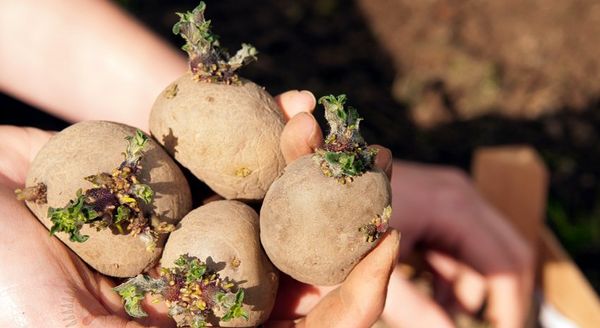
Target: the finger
pixel 293 102
pixel 301 136
pixel 505 292
pixel 468 286
pixel 487 242
pixel 383 159
pixel 296 299
pixel 157 312
pixel 18 147
pixel 406 306
pixel 359 301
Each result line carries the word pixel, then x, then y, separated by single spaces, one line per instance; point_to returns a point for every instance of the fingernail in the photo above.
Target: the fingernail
pixel 384 155
pixel 388 158
pixel 313 100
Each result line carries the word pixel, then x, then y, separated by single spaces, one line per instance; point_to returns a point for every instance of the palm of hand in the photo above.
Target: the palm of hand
pixel 44 278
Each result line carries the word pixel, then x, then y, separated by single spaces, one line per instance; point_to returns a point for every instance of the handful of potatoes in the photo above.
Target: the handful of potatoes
pixel 116 198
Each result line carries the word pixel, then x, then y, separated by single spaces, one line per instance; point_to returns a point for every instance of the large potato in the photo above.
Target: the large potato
pixel 225 235
pixel 226 135
pixel 311 225
pixel 93 147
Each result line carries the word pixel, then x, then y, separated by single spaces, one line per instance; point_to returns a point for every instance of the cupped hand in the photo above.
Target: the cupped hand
pixel 44 284
pixel 359 300
pixel 477 256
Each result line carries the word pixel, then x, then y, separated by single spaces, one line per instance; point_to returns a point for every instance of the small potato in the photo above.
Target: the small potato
pixel 225 235
pixel 226 135
pixel 310 224
pixel 223 128
pixel 86 149
pixel 326 211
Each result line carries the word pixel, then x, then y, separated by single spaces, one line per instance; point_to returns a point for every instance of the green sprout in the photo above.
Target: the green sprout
pixel 345 154
pixel 233 305
pixel 72 217
pixel 135 147
pixel 113 202
pixel 133 291
pixel 143 192
pixel 191 291
pixel 208 61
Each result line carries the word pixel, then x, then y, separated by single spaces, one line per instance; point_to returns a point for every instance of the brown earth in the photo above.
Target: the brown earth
pixel 459 59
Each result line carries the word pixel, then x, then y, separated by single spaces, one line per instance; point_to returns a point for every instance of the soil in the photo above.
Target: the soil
pixel 327 46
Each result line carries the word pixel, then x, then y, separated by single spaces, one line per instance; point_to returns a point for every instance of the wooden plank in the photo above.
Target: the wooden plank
pixel 514 180
pixel 564 285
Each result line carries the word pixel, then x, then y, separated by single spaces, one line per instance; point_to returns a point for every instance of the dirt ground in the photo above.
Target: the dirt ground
pixel 459 59
pixel 453 73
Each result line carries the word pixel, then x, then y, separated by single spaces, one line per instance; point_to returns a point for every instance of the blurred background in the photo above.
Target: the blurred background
pixel 434 80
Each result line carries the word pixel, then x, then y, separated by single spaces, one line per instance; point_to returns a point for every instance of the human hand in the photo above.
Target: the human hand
pixel 42 282
pixel 46 284
pixel 474 251
pixel 301 136
pixel 476 255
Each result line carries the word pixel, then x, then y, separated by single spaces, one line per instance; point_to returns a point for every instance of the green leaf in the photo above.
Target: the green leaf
pixel 199 322
pixel 132 297
pixel 195 271
pixel 243 56
pixel 133 291
pixel 208 60
pixel 72 217
pixel 143 192
pixel 78 237
pixel 135 147
pixel 234 309
pixel 123 213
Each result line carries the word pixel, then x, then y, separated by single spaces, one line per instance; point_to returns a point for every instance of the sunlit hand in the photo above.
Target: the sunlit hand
pixel 44 284
pixel 475 252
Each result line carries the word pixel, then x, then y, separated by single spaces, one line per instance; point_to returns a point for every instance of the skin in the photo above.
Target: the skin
pixel 88 295
pixel 310 222
pixel 475 254
pixel 73 154
pixel 218 131
pixel 230 238
pixel 129 73
pixel 89 42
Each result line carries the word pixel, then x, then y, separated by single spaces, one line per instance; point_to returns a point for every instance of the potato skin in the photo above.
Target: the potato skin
pixel 226 135
pixel 309 223
pixel 226 231
pixel 91 147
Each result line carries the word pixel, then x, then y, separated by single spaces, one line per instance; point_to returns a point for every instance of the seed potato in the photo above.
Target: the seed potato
pixel 327 210
pixel 309 223
pixel 226 135
pixel 225 235
pixel 91 147
pixel 223 128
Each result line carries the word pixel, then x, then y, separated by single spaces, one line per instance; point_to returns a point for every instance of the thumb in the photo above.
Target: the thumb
pixel 300 136
pixel 359 301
